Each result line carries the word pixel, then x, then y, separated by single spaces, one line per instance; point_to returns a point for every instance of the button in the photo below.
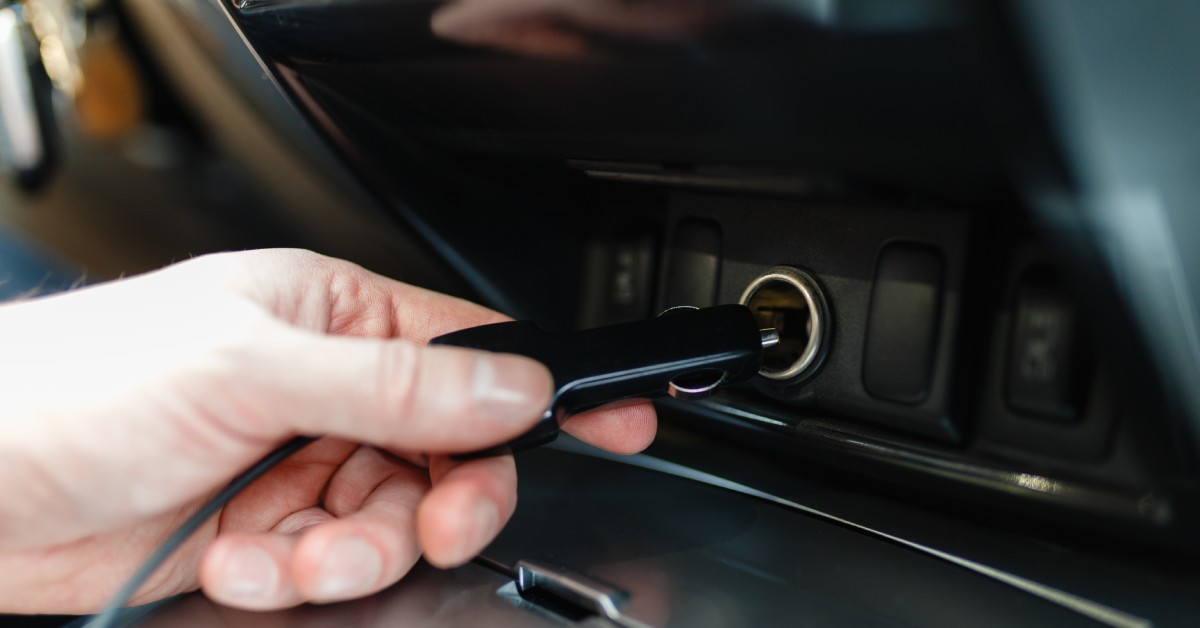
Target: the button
pixel 619 277
pixel 902 325
pixel 1043 372
pixel 693 264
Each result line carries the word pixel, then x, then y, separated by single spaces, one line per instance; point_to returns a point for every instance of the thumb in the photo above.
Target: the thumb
pixel 397 394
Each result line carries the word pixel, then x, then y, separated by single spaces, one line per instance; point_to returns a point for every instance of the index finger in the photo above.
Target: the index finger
pixel 333 296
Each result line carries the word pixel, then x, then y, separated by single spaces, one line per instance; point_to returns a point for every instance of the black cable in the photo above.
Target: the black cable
pixel 108 615
pixel 496 566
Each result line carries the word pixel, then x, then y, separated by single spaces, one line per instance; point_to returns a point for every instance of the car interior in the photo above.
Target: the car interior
pixel 972 225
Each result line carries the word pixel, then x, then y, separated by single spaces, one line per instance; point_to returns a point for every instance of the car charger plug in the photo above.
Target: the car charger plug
pixel 685 352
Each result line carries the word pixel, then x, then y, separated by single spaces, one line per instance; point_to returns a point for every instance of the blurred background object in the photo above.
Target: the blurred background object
pixel 124 177
pixel 26 123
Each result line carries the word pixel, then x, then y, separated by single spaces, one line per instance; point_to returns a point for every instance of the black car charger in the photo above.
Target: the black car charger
pixel 686 352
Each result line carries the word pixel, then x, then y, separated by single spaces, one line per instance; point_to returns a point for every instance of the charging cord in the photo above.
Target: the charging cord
pixel 109 614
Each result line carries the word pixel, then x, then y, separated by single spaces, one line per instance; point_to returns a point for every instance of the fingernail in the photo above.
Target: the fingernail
pixel 483 520
pixel 250 573
pixel 508 387
pixel 351 567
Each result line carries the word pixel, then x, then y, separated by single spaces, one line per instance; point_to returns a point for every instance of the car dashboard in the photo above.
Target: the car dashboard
pixel 969 222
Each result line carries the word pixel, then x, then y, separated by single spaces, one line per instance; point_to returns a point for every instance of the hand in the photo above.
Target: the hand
pixel 124 406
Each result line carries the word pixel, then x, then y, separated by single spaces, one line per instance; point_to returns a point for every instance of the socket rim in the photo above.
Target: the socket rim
pixel 806 284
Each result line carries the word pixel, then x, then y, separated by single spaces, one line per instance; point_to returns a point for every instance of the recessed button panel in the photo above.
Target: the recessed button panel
pixel 902 324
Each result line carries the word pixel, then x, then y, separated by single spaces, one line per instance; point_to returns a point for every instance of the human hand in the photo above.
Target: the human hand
pixel 124 406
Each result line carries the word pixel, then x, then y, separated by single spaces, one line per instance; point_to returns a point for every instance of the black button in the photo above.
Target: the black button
pixel 1043 374
pixel 693 264
pixel 630 279
pixel 619 276
pixel 902 325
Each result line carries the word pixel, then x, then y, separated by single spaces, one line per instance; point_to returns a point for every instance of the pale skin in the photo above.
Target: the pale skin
pixel 124 406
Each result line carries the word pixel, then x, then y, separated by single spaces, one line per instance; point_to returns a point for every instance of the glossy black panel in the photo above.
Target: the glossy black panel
pixel 465 597
pixel 695 555
pixel 685 80
pixel 470 117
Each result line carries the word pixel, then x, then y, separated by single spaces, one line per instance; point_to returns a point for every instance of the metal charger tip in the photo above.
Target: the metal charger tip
pixel 770 337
